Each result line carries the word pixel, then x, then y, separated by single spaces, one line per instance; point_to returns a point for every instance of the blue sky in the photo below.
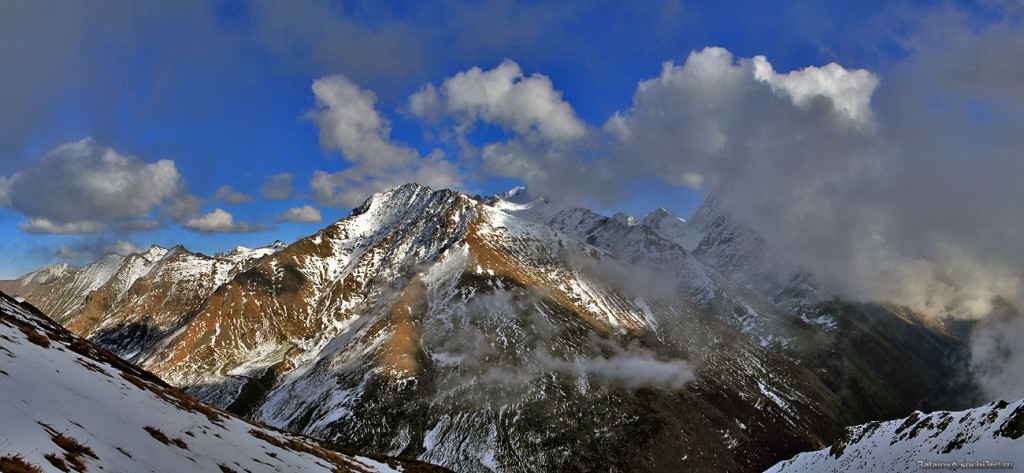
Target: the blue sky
pixel 224 91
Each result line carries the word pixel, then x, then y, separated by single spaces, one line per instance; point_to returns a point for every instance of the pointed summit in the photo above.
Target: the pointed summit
pixel 656 216
pixel 154 253
pixel 276 245
pixel 518 195
pixel 672 228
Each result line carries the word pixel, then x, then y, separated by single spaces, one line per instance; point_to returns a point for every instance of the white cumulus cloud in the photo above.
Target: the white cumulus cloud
pixel 849 91
pixel 350 187
pixel 350 123
pixel 304 214
pixel 220 221
pixel 888 210
pixel 123 247
pixel 504 96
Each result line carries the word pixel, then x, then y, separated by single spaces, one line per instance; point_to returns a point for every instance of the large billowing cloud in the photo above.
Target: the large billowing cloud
pixel 802 158
pixel 83 186
pixel 902 189
pixel 350 124
pixel 715 117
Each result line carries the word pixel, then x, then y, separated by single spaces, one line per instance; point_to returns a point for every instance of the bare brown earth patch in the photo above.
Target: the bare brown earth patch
pixel 17 464
pixel 402 350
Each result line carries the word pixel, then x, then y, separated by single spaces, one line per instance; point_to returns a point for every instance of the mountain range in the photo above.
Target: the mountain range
pixel 511 333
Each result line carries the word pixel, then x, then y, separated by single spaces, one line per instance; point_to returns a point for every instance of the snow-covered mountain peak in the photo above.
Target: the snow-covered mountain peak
pixel 276 245
pixel 516 195
pixel 390 198
pixel 654 217
pixel 624 219
pixel 48 274
pixel 241 254
pixel 238 250
pixel 391 208
pixel 55 270
pixel 517 198
pixel 672 228
pixel 154 253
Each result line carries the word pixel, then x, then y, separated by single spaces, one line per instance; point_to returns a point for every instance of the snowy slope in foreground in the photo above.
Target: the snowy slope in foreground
pixel 991 433
pixel 68 405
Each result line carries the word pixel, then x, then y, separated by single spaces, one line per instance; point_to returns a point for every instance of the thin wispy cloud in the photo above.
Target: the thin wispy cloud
pixel 278 186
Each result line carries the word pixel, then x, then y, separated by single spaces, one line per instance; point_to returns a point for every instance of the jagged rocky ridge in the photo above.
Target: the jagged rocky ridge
pixel 511 334
pixel 983 438
pixel 71 405
pixel 131 303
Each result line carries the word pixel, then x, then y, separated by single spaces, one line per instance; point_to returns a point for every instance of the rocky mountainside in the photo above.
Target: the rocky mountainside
pixel 508 333
pixel 854 348
pixel 670 266
pixel 71 405
pixel 984 438
pixel 726 268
